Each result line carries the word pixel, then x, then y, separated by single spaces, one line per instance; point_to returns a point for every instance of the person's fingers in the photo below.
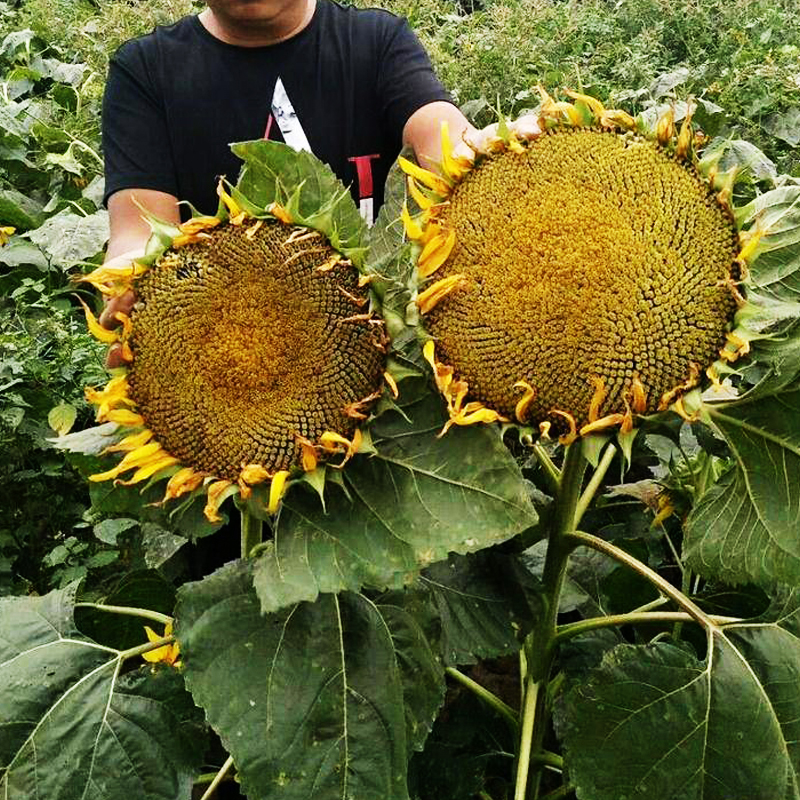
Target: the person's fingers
pixel 114 357
pixel 526 127
pixel 123 303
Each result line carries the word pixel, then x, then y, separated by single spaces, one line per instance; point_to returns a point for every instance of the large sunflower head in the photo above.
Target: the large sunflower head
pixel 580 278
pixel 253 352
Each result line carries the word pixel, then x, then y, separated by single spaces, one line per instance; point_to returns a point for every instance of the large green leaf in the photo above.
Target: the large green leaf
pixel 71 727
pixel 417 499
pixel 312 705
pixel 484 603
pixel 421 673
pixel 655 721
pixel 775 275
pixel 275 173
pixel 746 527
pixel 68 238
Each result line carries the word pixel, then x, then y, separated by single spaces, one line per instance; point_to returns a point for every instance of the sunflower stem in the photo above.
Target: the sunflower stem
pixel 129 611
pixel 594 482
pixel 145 648
pixel 540 644
pixel 573 629
pixel 218 778
pixel 552 473
pixel 252 531
pixel 666 588
pixel 488 697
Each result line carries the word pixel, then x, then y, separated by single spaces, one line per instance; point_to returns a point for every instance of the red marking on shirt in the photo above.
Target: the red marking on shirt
pixel 364 173
pixel 270 120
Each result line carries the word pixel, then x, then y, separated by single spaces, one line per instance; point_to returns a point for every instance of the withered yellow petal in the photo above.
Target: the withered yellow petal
pixel 435 253
pixel 95 328
pixel 215 491
pixel 276 490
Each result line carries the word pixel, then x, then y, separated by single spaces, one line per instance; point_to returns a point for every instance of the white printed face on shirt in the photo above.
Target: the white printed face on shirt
pixel 285 117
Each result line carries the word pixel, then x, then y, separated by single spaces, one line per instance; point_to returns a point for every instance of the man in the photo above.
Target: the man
pixel 353 86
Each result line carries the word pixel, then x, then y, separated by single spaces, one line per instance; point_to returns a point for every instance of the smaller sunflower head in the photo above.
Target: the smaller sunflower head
pixel 254 352
pixel 578 279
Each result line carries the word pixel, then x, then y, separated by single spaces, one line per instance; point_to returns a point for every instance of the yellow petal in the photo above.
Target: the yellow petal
pixel 523 404
pixel 422 200
pixel 233 207
pixel 392 384
pixel 665 127
pixel 433 181
pixel 438 291
pixel 279 212
pixel 253 474
pixel 598 398
pixel 124 417
pixel 214 499
pixel 570 437
pixel 614 118
pixel 197 224
pixel 435 253
pixel 594 104
pixel 639 395
pixel 182 482
pixel 95 328
pixel 131 442
pixel 277 489
pixel 148 470
pixel 601 424
pixel 746 253
pixel 5 232
pixel 412 227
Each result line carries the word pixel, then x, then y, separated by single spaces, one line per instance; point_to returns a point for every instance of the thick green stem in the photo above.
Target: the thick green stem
pixel 128 611
pixel 252 528
pixel 664 586
pixel 488 697
pixel 526 737
pixel 539 645
pixel 573 629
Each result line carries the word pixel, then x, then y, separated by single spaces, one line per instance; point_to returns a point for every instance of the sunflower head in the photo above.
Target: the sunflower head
pixel 581 278
pixel 254 351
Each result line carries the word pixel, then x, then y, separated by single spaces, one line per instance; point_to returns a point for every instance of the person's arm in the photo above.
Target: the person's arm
pixel 129 233
pixel 423 131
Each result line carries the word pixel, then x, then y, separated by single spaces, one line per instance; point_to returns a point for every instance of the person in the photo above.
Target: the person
pixel 351 85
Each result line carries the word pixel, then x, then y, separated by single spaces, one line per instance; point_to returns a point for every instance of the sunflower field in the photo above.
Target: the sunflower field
pixel 504 504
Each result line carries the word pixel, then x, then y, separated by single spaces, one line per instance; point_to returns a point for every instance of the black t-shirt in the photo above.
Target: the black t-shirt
pixel 343 87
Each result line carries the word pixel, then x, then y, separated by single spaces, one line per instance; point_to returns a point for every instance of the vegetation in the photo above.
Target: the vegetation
pixel 433 661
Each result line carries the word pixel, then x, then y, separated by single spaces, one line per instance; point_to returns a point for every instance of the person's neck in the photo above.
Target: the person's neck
pixel 262 33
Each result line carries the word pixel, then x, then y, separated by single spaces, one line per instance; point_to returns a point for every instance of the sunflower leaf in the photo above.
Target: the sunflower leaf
pixel 421 674
pixel 744 529
pixel 314 706
pixel 418 499
pixel 274 173
pixel 128 740
pixel 775 273
pixel 727 726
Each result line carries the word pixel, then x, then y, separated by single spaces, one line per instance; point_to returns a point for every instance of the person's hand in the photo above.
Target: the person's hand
pixel 524 128
pixel 118 305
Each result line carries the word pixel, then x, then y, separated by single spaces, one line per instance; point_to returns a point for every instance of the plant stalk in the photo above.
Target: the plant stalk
pixel 129 611
pixel 252 531
pixel 146 648
pixel 573 629
pixel 664 586
pixel 218 778
pixel 551 472
pixel 539 645
pixel 595 481
pixel 488 697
